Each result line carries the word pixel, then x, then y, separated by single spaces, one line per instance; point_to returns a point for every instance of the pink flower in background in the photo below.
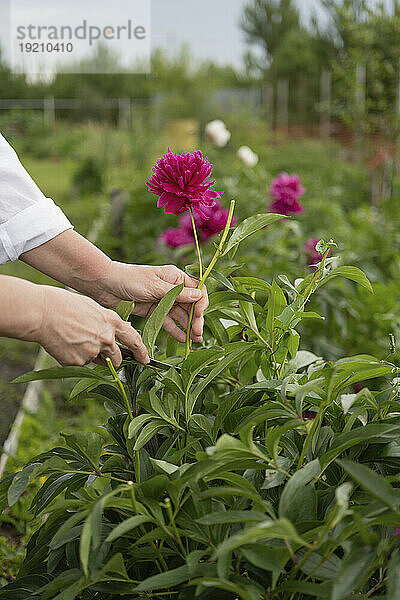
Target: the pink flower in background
pixel 206 228
pixel 313 257
pixel 216 218
pixel 182 181
pixel 177 237
pixel 286 191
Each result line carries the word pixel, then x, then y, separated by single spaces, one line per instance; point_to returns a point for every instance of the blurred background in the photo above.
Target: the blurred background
pixel 264 87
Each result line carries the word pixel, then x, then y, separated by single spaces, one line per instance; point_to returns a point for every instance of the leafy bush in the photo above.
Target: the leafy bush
pixel 245 470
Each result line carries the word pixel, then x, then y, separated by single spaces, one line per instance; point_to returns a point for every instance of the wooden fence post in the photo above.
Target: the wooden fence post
pixel 119 198
pixel 283 106
pixel 269 105
pixel 360 94
pixel 397 125
pixel 326 101
pixel 124 113
pixel 49 111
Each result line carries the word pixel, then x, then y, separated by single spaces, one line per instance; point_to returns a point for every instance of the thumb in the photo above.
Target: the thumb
pixel 187 295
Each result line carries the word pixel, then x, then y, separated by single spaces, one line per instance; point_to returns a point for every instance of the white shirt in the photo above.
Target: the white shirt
pixel 27 218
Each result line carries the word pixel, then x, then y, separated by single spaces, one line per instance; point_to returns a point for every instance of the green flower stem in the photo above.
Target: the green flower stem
pixel 196 239
pixel 204 277
pixel 314 280
pixel 319 416
pixel 120 386
pixel 125 397
pixel 168 506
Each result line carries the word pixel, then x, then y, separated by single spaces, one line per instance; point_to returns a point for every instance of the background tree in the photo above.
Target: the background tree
pixel 268 22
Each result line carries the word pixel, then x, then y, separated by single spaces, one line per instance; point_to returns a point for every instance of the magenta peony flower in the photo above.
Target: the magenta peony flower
pixel 213 224
pixel 182 181
pixel 177 237
pixel 313 257
pixel 286 191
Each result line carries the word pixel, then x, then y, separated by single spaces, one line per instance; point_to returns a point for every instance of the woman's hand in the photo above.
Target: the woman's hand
pixel 76 262
pixel 146 285
pixel 76 330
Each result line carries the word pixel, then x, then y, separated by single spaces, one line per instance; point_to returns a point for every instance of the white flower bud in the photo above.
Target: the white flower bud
pixel 247 156
pixel 217 133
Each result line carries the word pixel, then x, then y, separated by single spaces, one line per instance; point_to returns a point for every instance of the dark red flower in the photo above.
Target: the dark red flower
pixel 182 181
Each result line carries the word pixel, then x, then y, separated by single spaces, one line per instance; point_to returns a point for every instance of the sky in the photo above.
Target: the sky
pixel 210 28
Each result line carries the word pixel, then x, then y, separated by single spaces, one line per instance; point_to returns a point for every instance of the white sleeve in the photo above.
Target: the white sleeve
pixel 27 218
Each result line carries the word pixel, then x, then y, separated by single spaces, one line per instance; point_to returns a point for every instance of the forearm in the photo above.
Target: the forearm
pixel 74 261
pixel 21 308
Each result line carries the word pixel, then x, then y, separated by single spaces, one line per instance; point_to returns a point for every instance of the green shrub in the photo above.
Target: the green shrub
pixel 246 470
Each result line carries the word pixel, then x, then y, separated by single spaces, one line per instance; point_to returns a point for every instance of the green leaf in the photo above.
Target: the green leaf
pixel 249 227
pixel 137 424
pixel 374 433
pixel 232 516
pixel 63 534
pixel 127 526
pixel 274 435
pixel 84 385
pixel 200 427
pixel 230 358
pixel 196 362
pixel 245 592
pixel 115 567
pixel 222 279
pixel 61 582
pixel 168 579
pixel 253 284
pixel 357 369
pixel 61 373
pixel 20 483
pixel 281 529
pixel 319 590
pixel 124 309
pixel 296 483
pixel 373 483
pixel 355 565
pixel 164 466
pixel 225 299
pixel 319 566
pixel 156 320
pixel 71 592
pixel 276 304
pixel 148 432
pixel 393 577
pixel 87 444
pixel 84 544
pixel 293 343
pixel 352 273
pixel 268 559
